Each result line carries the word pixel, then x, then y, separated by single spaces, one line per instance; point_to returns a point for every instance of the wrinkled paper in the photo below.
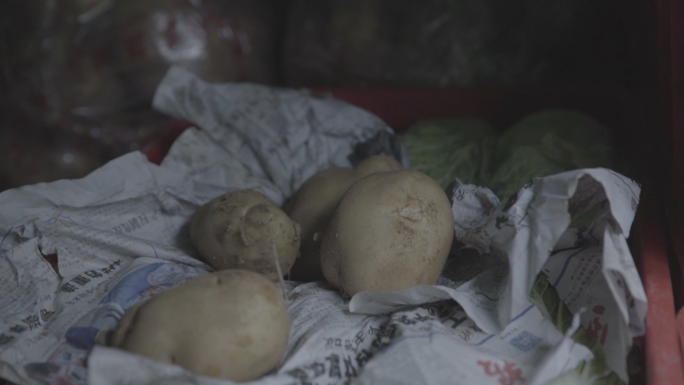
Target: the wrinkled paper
pixel 541 287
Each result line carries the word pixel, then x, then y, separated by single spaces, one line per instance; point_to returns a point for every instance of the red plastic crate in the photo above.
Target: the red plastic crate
pixel 670 28
pixel 667 18
pixel 617 108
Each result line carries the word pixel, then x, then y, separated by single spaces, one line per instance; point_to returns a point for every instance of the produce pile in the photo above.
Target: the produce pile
pixel 376 228
pixel 290 242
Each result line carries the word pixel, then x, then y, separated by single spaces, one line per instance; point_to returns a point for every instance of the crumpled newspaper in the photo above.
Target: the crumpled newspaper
pixel 544 288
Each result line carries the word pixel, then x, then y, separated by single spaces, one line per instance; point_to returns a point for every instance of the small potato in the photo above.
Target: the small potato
pixel 314 205
pixel 238 230
pixel 231 324
pixel 392 231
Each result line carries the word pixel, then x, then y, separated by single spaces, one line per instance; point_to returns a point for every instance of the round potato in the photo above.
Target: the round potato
pixel 314 205
pixel 238 230
pixel 230 324
pixel 391 231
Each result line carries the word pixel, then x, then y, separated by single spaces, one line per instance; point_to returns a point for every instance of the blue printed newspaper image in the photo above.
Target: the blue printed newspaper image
pixel 67 365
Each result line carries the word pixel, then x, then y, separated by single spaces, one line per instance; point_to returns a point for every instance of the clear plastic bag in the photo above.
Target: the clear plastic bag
pixel 91 66
pixel 30 155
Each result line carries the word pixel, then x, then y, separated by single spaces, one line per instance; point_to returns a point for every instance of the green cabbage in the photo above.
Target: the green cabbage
pixel 451 148
pixel 546 143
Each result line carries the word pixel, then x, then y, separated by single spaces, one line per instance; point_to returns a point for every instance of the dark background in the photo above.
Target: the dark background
pixel 78 75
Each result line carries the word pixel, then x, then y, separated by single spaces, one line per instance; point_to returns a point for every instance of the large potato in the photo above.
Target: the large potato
pixel 238 229
pixel 314 205
pixel 391 231
pixel 231 324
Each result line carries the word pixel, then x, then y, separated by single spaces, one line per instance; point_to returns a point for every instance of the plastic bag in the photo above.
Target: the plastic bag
pixel 91 66
pixel 30 155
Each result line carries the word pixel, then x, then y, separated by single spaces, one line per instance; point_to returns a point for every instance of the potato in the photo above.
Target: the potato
pixel 392 231
pixel 231 324
pixel 238 229
pixel 314 205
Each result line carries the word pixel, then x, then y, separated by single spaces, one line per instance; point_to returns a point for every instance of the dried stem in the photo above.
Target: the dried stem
pixel 280 272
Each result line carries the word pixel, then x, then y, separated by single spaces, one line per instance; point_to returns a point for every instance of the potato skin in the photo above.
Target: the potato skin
pixel 392 231
pixel 236 230
pixel 231 324
pixel 314 205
